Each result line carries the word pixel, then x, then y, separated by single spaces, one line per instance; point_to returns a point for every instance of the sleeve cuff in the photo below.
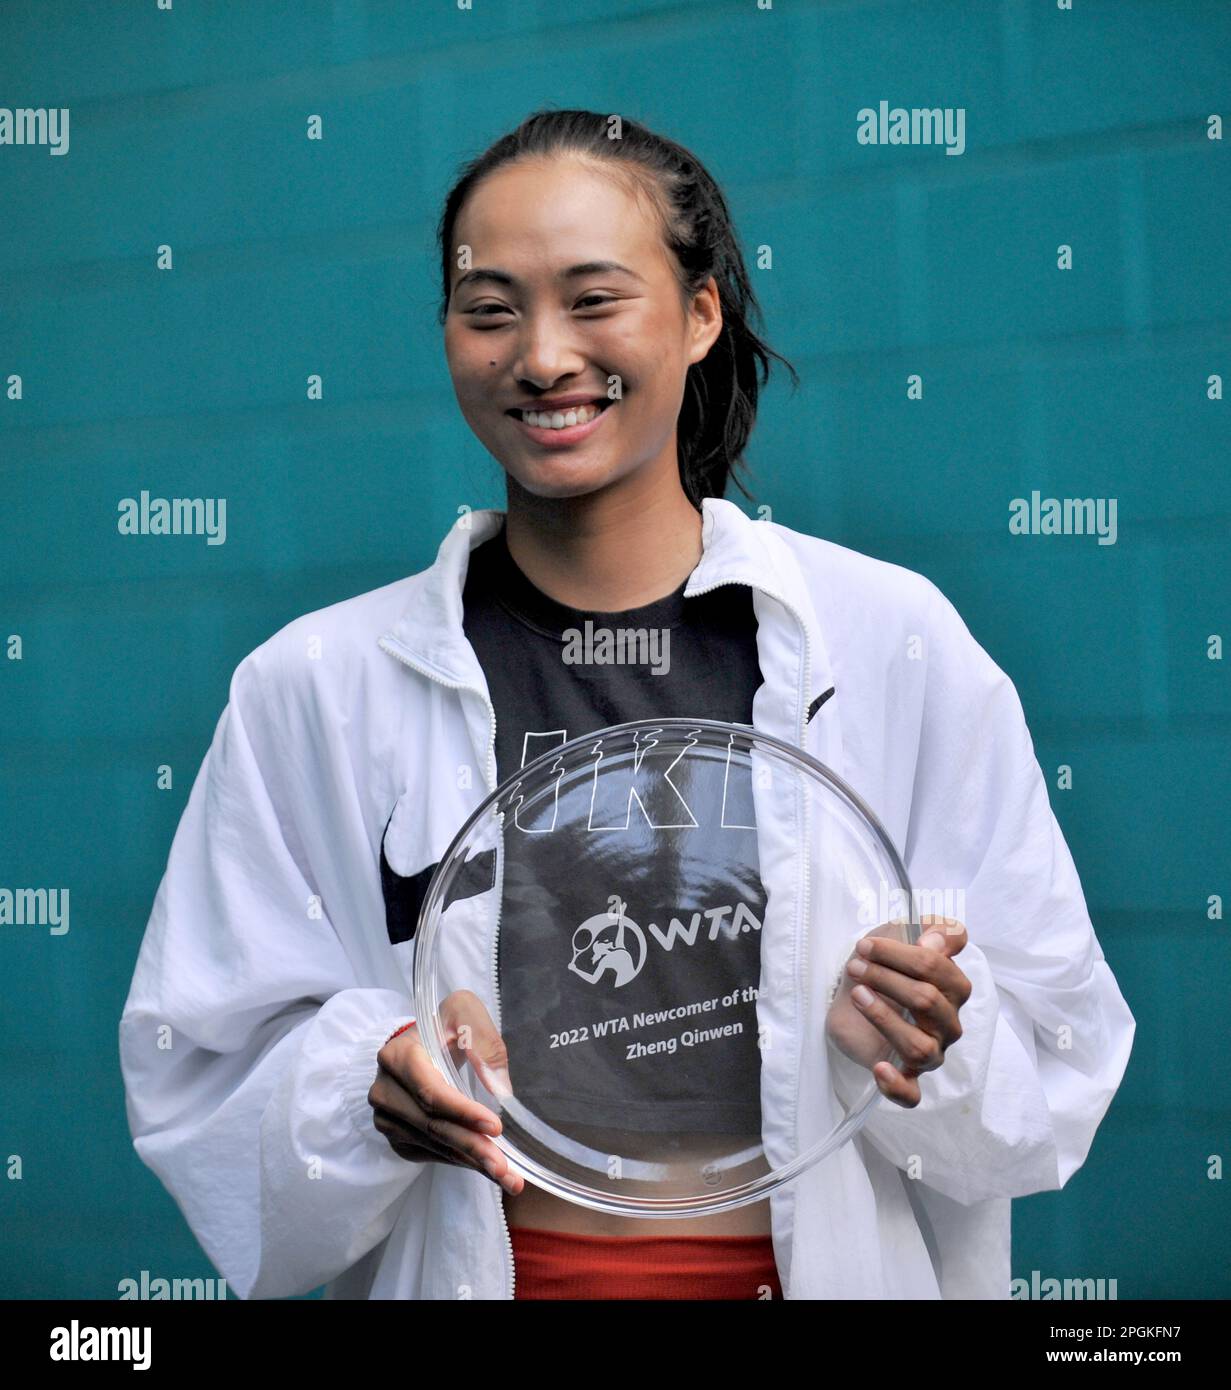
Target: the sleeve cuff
pixel 361 1072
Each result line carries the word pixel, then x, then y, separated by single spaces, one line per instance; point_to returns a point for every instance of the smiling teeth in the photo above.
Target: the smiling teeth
pixel 561 419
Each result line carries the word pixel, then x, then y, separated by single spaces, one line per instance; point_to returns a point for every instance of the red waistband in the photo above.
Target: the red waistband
pixel 567 1264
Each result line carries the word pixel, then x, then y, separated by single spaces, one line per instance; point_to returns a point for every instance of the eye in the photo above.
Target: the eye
pixel 601 299
pixel 479 311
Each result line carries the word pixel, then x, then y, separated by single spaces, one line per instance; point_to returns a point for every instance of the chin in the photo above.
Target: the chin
pixel 557 478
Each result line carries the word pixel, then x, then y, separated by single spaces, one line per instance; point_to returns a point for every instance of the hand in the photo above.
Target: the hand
pixel 427 1119
pixel 921 978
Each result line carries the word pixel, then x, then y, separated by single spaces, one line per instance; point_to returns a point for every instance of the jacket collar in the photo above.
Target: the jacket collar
pixel 734 550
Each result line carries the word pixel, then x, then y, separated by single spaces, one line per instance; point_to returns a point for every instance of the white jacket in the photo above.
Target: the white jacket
pixel 267 980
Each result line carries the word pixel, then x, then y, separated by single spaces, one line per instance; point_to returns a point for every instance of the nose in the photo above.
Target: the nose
pixel 546 350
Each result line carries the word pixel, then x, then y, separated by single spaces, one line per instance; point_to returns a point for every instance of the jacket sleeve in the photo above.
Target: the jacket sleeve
pixel 1046 1032
pixel 247 1044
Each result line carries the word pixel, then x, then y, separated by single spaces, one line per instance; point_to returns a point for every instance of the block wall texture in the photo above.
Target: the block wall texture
pixel 1087 128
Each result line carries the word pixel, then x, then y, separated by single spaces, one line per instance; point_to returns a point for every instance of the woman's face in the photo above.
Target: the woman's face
pixel 525 325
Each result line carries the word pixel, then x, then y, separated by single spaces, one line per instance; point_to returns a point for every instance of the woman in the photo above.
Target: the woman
pixel 596 316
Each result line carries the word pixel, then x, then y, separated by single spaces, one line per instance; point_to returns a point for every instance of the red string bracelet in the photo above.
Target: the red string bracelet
pixel 397 1032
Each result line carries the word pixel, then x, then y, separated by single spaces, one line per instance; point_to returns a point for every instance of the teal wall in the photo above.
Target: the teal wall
pixel 291 257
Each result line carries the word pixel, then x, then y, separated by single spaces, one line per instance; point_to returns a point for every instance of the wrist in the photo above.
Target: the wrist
pixel 397 1032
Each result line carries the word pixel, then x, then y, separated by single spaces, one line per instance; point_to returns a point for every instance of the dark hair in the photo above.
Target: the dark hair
pixel 720 395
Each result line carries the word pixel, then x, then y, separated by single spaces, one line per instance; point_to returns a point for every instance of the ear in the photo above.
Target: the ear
pixel 705 317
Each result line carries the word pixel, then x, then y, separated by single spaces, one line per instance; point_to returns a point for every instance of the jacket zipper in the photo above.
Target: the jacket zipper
pixel 504 1220
pixel 396 650
pixel 805 682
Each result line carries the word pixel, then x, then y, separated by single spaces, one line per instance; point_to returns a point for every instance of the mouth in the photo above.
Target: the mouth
pixel 561 426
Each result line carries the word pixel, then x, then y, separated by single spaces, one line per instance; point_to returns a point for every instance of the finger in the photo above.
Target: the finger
pixel 407 1143
pixel 930 1008
pixel 446 1139
pixel 388 1094
pixel 945 934
pixel 445 1142
pixel 902 1090
pixel 917 961
pixel 920 1051
pixel 469 1030
pixel 407 1062
pixel 442 1141
pixel 850 978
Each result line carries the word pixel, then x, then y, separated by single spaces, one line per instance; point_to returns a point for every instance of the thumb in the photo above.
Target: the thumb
pixel 944 934
pixel 476 1035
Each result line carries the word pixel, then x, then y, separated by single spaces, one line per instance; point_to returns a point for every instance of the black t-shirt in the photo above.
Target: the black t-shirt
pixel 581 979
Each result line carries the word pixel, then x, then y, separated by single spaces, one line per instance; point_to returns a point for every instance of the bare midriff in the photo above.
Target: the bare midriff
pixel 534 1207
pixel 547 1212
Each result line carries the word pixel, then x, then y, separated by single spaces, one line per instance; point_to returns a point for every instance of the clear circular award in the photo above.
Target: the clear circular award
pixel 634 952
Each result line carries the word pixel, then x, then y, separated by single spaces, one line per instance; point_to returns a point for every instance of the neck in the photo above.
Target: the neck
pixel 621 547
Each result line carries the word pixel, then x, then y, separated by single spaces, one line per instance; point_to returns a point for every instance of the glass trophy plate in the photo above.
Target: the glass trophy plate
pixel 633 951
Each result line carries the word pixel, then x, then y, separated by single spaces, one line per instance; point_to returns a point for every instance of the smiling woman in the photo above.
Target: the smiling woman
pixel 596 321
pixel 533 332
pixel 587 261
pixel 595 312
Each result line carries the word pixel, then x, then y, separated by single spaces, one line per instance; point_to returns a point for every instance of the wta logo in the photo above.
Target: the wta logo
pixel 608 944
pixel 611 946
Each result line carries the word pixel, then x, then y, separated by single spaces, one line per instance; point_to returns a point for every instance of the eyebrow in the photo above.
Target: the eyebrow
pixel 574 272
